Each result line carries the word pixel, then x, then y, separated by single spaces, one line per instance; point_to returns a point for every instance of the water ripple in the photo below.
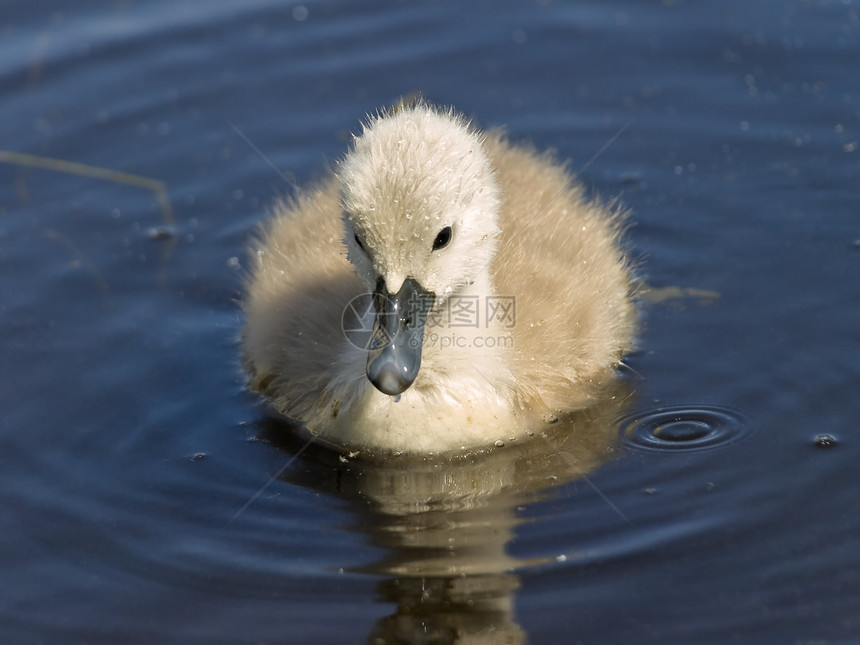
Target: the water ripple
pixel 684 428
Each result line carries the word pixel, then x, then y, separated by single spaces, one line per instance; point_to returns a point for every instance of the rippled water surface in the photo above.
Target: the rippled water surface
pixel 148 497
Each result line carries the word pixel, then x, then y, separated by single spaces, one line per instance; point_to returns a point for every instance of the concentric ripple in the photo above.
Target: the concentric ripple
pixel 684 428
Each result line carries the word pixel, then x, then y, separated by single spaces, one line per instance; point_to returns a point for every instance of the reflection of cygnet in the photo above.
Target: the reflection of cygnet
pixel 442 530
pixel 500 295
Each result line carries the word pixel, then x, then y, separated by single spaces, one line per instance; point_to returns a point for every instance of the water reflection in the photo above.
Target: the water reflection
pixel 445 527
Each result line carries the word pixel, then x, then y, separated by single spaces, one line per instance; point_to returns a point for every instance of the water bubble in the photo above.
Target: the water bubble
pixel 159 233
pixel 628 179
pixel 825 441
pixel 684 428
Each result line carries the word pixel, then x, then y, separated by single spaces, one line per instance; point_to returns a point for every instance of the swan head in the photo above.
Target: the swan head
pixel 420 209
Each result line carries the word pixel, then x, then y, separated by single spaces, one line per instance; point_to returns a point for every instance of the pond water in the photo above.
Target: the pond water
pixel 149 497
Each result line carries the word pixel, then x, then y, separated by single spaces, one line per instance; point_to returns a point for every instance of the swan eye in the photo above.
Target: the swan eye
pixel 443 239
pixel 358 241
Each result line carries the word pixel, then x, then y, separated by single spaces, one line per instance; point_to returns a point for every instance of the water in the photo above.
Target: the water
pixel 147 497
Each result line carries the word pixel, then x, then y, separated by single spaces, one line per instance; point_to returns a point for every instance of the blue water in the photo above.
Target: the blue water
pixel 148 497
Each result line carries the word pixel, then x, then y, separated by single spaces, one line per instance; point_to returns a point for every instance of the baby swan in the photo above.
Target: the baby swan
pixel 444 290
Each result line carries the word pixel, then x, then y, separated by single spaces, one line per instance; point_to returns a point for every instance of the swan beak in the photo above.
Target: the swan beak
pixel 394 355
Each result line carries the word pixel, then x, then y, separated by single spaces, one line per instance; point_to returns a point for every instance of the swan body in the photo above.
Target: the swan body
pixel 442 290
